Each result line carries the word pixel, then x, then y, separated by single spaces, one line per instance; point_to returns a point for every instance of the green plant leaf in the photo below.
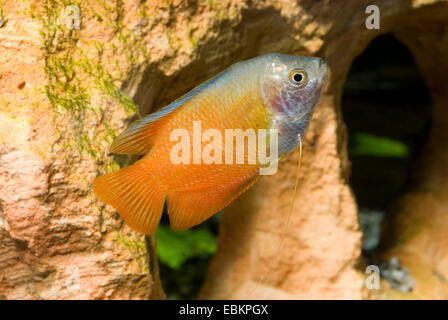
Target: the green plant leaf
pixel 174 248
pixel 364 144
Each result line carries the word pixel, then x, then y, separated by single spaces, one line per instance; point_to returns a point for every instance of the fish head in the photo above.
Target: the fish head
pixel 291 85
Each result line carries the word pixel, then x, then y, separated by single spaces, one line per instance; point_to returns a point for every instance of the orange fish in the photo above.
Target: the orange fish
pixel 188 163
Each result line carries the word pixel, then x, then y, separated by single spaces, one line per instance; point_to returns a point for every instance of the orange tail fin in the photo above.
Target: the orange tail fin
pixel 133 193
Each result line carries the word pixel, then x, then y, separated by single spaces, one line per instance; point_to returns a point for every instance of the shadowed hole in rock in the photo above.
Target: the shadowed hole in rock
pixel 184 256
pixel 386 107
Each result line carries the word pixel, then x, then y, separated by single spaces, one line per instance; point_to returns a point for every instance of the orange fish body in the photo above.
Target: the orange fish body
pixel 248 96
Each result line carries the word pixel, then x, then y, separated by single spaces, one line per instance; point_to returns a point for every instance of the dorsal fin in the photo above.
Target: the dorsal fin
pixel 137 139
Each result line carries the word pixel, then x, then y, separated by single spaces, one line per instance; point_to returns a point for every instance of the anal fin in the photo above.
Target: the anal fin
pixel 188 208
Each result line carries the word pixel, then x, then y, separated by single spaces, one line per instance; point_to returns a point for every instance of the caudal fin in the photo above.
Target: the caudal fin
pixel 133 193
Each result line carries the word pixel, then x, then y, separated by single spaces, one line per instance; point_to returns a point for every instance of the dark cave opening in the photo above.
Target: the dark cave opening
pixel 185 280
pixel 386 108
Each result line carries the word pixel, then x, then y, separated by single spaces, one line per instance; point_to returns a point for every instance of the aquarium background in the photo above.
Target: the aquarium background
pixel 386 107
pixel 374 183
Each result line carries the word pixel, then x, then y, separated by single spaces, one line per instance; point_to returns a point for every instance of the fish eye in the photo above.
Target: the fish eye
pixel 298 77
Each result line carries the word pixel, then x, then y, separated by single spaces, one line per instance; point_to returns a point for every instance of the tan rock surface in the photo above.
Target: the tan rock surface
pixel 418 234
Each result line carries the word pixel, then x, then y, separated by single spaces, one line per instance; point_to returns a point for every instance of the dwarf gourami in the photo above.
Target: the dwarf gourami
pixel 270 92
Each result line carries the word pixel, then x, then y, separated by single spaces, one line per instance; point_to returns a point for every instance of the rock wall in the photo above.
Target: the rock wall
pixel 418 233
pixel 64 96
